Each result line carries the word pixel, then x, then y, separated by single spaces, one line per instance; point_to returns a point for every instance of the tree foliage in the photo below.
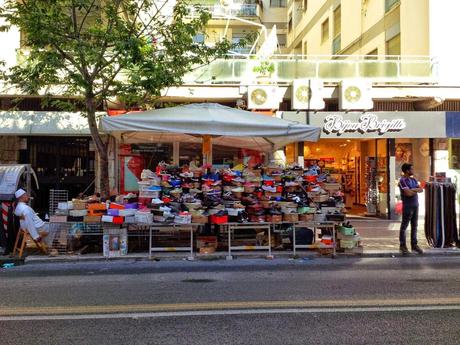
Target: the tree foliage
pixel 101 49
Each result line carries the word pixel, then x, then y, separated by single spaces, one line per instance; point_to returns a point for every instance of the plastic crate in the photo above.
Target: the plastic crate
pixel 347 244
pixel 346 231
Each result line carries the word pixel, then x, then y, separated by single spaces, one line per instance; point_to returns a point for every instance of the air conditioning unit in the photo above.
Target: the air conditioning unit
pixel 263 97
pixel 307 94
pixel 356 95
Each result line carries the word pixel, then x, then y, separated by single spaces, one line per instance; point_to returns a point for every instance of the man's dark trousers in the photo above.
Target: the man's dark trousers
pixel 410 215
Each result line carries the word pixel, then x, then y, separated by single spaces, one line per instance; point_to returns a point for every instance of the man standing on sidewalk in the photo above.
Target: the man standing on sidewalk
pixel 409 188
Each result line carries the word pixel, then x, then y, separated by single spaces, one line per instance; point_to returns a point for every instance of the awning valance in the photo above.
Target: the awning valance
pixel 43 123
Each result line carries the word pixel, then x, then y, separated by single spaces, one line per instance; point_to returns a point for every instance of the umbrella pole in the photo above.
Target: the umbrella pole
pixel 207 149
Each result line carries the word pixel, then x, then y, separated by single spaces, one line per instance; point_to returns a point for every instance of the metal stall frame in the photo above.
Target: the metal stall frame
pixel 171 227
pixel 315 226
pixel 231 227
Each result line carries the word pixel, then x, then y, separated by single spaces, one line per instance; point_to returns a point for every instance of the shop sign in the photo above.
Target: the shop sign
pixel 149 148
pixel 367 123
pixel 377 125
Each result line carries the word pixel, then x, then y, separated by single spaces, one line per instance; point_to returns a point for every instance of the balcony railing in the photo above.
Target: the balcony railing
pixel 238 10
pixel 389 69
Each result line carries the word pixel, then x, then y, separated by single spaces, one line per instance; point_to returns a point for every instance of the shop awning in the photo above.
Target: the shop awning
pixel 43 123
pixel 227 126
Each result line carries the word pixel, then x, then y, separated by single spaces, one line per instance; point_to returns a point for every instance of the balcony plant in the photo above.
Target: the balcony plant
pixel 264 69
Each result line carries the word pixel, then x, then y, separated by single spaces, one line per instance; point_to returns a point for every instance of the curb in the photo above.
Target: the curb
pixel 7 260
pixel 36 260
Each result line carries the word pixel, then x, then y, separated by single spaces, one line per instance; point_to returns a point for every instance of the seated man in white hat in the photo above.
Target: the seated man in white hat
pixel 29 220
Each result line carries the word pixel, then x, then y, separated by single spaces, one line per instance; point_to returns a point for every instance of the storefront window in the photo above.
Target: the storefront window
pixel 455 154
pixel 416 152
pixel 60 163
pixel 153 154
pixel 226 156
pixel 382 177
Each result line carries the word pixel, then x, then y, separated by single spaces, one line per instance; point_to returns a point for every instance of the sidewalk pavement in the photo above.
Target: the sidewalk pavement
pixel 380 238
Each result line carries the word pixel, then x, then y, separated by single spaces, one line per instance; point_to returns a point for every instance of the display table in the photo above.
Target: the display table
pixel 230 231
pixel 270 228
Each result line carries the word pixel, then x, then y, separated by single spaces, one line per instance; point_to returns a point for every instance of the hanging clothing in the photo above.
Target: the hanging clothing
pixel 441 228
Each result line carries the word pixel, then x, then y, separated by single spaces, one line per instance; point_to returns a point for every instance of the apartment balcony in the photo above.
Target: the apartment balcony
pixel 390 69
pixel 222 12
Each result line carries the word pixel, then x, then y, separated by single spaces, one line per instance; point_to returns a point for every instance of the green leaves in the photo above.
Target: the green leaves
pixel 89 47
pixel 96 50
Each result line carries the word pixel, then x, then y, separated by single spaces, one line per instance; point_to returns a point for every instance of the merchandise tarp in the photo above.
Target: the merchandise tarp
pixel 227 126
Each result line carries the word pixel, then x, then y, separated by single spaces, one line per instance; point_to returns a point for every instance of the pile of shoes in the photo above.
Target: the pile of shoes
pixel 261 194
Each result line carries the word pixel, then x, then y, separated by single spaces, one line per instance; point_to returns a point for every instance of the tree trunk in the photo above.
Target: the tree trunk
pixel 101 147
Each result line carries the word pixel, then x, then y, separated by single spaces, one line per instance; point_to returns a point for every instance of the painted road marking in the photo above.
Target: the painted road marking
pixel 222 306
pixel 226 312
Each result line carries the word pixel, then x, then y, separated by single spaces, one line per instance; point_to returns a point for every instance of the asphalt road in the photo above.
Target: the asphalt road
pixel 412 300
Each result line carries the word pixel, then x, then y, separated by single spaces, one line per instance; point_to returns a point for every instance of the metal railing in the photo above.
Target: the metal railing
pixel 388 69
pixel 238 10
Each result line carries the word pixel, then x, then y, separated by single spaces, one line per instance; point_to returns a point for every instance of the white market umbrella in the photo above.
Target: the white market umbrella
pixel 227 126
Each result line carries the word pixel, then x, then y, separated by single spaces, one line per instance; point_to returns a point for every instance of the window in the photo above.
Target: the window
pixel 393 46
pixel 305 5
pixel 325 31
pixel 305 49
pixel 236 39
pixel 281 40
pixel 278 3
pixel 337 21
pixel 290 22
pixel 336 43
pixel 389 4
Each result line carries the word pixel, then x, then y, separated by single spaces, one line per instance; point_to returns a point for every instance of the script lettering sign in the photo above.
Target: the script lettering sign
pixel 367 123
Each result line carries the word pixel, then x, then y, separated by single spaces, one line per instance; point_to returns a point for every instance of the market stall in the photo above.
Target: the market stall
pixel 229 208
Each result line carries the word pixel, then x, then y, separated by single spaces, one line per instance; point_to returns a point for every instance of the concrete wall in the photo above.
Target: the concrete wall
pixel 415 28
pixel 272 14
pixel 9 150
pixel 366 27
pixel 307 28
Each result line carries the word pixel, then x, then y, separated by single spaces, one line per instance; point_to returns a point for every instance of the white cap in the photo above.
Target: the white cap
pixel 19 193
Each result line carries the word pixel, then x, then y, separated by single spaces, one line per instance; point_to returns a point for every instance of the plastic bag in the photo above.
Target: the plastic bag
pixel 399 207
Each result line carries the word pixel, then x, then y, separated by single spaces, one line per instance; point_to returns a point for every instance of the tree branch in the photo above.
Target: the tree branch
pixel 99 60
pixel 85 16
